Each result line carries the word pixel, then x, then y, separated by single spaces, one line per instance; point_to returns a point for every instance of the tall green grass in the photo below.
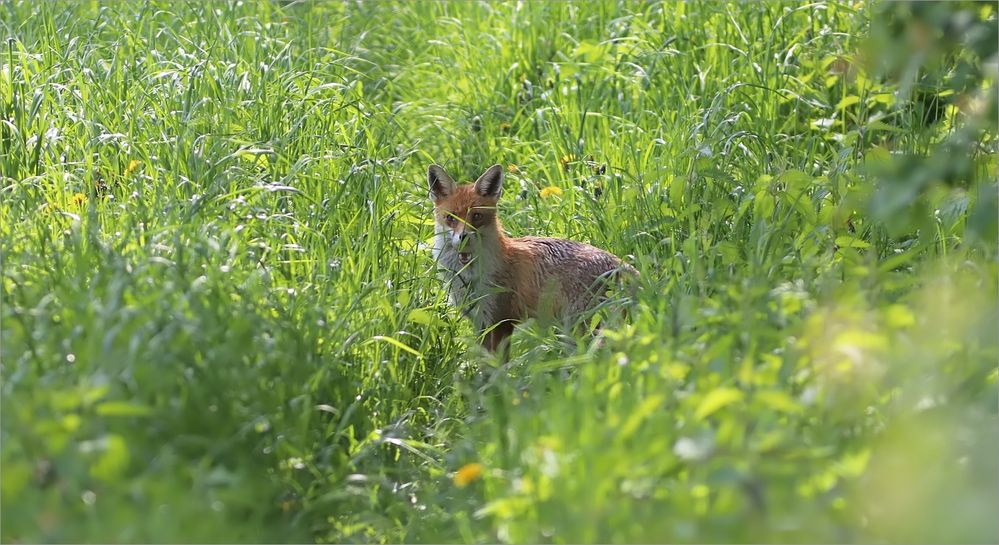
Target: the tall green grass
pixel 221 320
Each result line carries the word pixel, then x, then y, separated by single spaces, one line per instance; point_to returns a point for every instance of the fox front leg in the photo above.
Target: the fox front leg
pixel 496 339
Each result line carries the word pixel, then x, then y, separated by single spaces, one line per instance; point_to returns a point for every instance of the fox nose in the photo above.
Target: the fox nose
pixel 459 239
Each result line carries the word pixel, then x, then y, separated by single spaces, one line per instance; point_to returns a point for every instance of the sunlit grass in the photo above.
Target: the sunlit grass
pixel 221 322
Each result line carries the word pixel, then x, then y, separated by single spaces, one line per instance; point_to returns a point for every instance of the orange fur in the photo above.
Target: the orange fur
pixel 501 280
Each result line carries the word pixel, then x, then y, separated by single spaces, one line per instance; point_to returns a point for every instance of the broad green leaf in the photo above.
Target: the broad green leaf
pixel 899 316
pixel 112 457
pixel 591 51
pixel 422 316
pixel 122 408
pixel 716 399
pixel 16 475
pixel 778 400
pixel 853 465
pixel 258 157
pixel 847 101
pixel 851 242
pixel 94 394
pixel 796 179
pixel 883 98
pixel 882 126
pixel 641 413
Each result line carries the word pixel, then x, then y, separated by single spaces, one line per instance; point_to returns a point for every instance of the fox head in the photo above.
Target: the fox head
pixel 466 222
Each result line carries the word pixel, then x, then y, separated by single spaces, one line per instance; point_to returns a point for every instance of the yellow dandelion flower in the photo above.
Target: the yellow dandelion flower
pixel 78 200
pixel 551 190
pixel 512 168
pixel 505 127
pixel 567 160
pixel 133 165
pixel 467 474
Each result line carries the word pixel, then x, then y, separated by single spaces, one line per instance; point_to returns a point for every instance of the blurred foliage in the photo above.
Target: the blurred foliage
pixel 219 318
pixel 941 57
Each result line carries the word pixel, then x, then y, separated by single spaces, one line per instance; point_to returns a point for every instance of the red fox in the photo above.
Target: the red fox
pixel 498 280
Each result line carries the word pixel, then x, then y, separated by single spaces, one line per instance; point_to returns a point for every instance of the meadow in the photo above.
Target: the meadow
pixel 220 319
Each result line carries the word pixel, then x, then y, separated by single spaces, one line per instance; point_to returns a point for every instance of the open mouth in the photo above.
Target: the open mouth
pixel 464 258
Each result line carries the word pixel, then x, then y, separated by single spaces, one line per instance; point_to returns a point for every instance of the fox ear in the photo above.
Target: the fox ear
pixel 490 184
pixel 441 185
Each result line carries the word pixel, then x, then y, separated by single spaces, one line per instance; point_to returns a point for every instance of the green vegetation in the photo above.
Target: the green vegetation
pixel 221 321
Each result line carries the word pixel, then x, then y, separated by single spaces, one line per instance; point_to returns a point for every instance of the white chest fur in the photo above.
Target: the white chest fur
pixel 470 287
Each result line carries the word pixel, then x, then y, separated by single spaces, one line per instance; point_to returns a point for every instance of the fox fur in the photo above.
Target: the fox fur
pixel 498 280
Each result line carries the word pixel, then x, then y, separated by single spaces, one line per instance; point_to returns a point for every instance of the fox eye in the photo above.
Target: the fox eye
pixel 449 219
pixel 476 216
